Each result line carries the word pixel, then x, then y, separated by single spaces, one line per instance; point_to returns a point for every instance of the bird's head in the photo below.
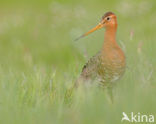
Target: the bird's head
pixel 109 20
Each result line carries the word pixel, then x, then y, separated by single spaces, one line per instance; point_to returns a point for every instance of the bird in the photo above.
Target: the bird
pixel 108 65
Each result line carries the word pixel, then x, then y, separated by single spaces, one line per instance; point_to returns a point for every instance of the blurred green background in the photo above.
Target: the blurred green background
pixel 39 61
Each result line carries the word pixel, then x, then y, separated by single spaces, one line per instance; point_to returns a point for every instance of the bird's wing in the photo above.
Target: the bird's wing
pixel 91 66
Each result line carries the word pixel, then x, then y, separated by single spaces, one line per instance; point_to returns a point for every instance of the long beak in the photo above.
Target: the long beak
pixel 100 25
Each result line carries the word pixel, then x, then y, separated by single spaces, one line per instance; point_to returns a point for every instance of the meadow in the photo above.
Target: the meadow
pixel 40 61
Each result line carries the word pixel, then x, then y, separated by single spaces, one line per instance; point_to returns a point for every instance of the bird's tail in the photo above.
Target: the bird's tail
pixel 80 80
pixel 69 92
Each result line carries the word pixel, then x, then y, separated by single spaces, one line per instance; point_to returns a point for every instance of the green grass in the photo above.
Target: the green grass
pixel 39 61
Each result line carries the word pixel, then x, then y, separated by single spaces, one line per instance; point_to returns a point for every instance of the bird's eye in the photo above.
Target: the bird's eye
pixel 108 18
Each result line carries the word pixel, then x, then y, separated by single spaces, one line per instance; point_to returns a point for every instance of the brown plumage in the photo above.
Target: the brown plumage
pixel 108 65
pixel 107 14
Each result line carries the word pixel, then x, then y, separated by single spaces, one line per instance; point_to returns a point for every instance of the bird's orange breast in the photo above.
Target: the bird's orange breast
pixel 112 65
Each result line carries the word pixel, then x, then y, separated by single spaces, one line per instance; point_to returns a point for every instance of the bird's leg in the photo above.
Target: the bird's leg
pixel 110 94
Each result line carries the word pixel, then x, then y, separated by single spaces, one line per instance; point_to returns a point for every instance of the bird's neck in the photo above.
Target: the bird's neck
pixel 110 36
